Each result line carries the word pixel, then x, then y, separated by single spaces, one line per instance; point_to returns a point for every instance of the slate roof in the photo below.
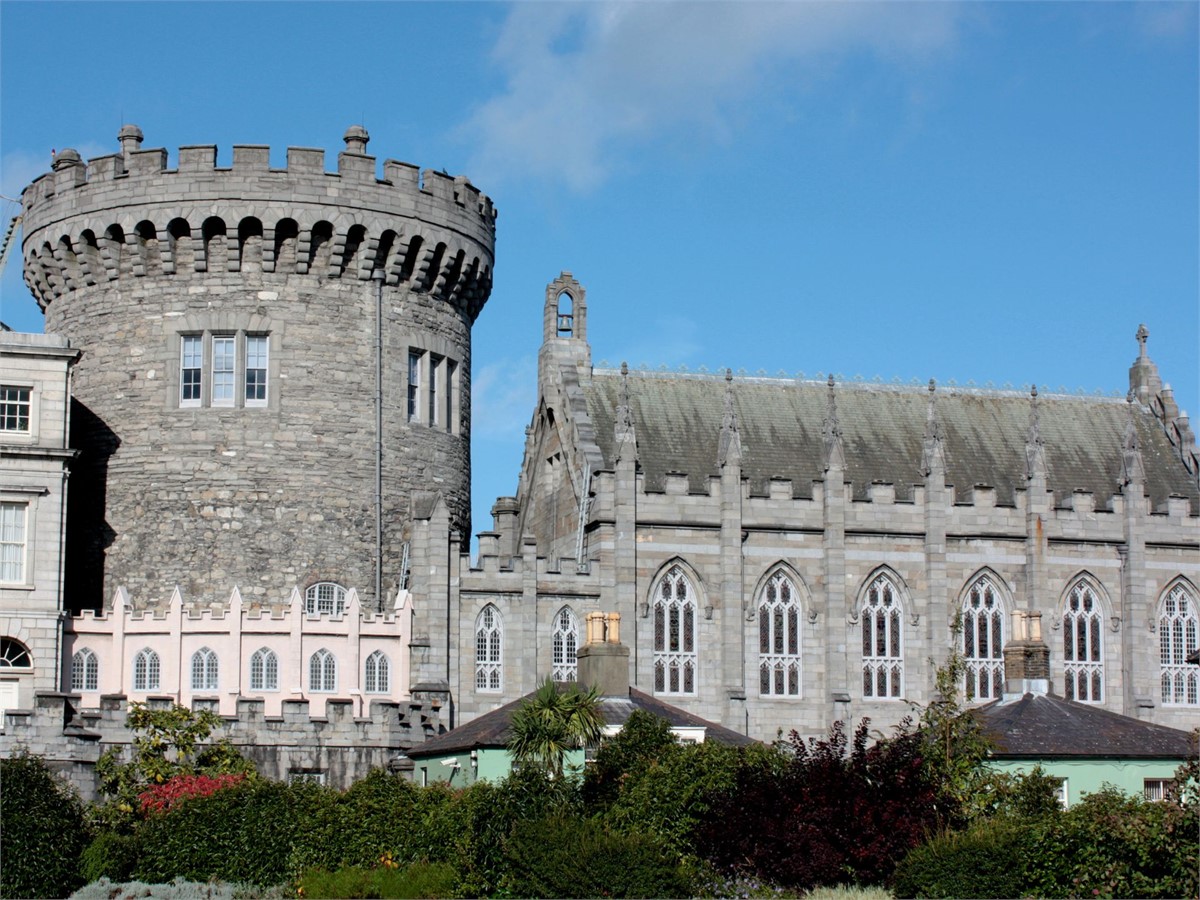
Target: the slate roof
pixel 492 729
pixel 678 422
pixel 1040 726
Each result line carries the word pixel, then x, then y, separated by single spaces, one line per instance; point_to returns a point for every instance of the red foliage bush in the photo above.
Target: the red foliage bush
pixel 829 816
pixel 161 797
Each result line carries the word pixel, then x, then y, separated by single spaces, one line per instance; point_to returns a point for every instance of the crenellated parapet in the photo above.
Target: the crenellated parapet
pixel 127 216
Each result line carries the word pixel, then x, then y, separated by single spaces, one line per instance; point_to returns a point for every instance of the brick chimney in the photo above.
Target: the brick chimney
pixel 1026 657
pixel 603 659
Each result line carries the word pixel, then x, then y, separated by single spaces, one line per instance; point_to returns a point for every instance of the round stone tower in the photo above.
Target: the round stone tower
pixel 275 363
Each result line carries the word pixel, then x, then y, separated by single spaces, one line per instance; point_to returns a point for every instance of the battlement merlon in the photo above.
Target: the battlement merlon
pixel 74 188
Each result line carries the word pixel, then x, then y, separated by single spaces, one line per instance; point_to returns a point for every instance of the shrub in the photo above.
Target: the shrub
pixel 641 742
pixel 577 857
pixel 244 833
pixel 41 820
pixel 415 882
pixel 1111 845
pixel 161 797
pixel 110 855
pixel 984 861
pixel 836 812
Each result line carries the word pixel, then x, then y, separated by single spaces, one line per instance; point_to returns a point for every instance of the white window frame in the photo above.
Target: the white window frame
pixel 377 673
pixel 191 360
pixel 205 670
pixel 85 670
pixel 1178 636
pixel 14 542
pixel 15 408
pixel 1083 644
pixel 564 645
pixel 676 634
pixel 489 650
pixel 415 358
pixel 435 393
pixel 256 377
pixel 147 670
pixel 222 384
pixel 322 672
pixel 325 598
pixel 264 670
pixel 983 618
pixel 779 638
pixel 882 613
pixel 14 655
pixel 1155 790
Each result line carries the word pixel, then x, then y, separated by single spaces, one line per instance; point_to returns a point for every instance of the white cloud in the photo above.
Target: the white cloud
pixel 582 83
pixel 503 394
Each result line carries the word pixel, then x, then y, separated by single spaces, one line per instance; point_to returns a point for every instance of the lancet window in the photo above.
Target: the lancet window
pixel 779 638
pixel 565 643
pixel 983 640
pixel 1083 655
pixel 1177 635
pixel 882 640
pixel 674 634
pixel 489 649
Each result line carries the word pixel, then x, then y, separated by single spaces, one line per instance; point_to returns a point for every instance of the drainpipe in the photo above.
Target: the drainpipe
pixel 377 277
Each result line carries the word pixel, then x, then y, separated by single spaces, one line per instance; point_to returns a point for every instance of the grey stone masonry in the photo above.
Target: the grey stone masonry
pixel 234 424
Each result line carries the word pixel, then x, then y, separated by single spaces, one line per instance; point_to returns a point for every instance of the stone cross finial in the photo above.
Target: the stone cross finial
pixel 1142 334
pixel 730 443
pixel 831 430
pixel 1132 467
pixel 1035 450
pixel 932 455
pixel 623 427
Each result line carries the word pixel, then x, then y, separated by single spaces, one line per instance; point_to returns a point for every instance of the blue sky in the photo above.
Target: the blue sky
pixel 981 191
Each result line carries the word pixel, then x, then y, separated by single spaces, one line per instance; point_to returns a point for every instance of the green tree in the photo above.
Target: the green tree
pixel 553 721
pixel 643 740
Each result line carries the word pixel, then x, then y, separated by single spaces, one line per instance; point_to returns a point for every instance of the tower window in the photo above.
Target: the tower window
pixel 12 542
pixel 191 366
pixel 223 358
pixel 256 369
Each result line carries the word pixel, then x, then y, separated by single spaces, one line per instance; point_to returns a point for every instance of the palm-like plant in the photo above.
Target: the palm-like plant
pixel 553 721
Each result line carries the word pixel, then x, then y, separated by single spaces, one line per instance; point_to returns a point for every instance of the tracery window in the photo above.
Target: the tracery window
pixel 1177 636
pixel 377 680
pixel 85 671
pixel 564 665
pixel 264 670
pixel 322 672
pixel 779 638
pixel 674 634
pixel 1083 657
pixel 146 670
pixel 983 640
pixel 489 660
pixel 325 598
pixel 882 641
pixel 204 670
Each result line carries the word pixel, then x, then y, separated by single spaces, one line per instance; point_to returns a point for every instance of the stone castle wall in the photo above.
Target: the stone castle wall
pixel 138 264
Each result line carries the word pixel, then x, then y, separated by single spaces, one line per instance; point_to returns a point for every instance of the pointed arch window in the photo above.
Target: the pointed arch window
pixel 675 634
pixel 1083 655
pixel 377 678
pixel 146 670
pixel 85 671
pixel 882 641
pixel 1178 628
pixel 565 644
pixel 322 672
pixel 264 670
pixel 489 661
pixel 983 640
pixel 779 638
pixel 325 598
pixel 204 670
